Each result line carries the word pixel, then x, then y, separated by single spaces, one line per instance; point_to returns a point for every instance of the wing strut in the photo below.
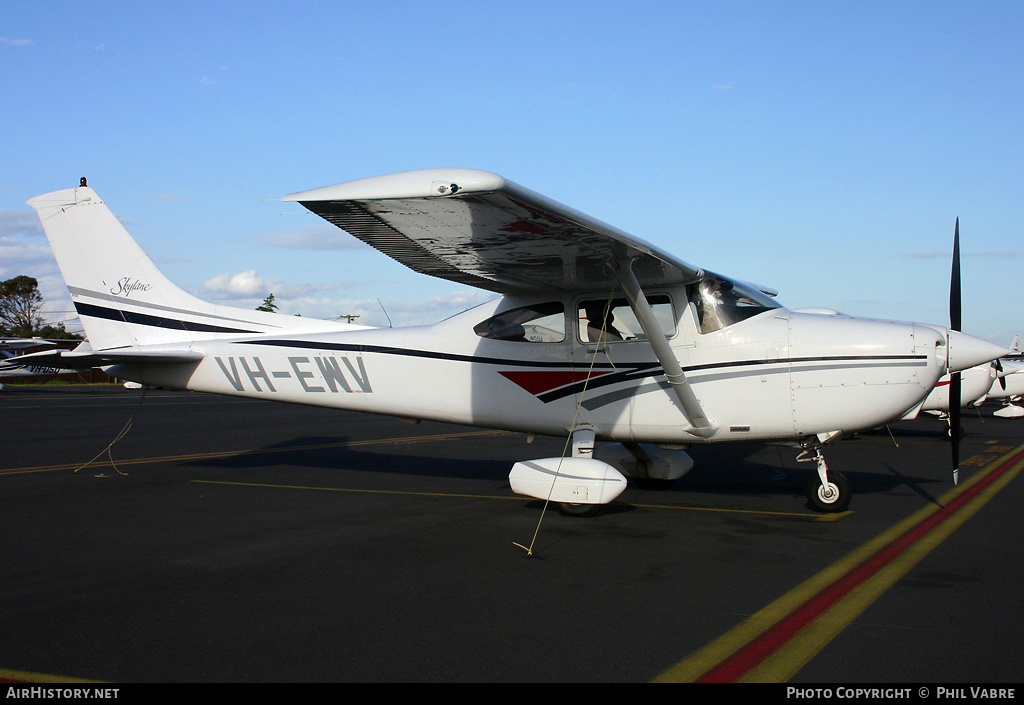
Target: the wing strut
pixel 702 425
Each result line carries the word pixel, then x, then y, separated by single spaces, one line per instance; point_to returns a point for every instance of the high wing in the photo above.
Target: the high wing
pixel 477 228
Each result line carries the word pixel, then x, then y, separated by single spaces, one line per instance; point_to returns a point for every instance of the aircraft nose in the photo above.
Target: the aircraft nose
pixel 966 351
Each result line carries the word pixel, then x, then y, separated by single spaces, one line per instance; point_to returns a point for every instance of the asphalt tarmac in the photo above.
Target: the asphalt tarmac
pixel 231 540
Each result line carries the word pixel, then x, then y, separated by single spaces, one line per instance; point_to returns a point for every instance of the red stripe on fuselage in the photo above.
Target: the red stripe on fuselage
pixel 540 381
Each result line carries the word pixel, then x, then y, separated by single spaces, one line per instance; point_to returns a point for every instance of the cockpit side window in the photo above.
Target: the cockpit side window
pixel 604 321
pixel 538 323
pixel 721 302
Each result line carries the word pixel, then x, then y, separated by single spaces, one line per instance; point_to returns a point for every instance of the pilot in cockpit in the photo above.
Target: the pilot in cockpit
pixel 600 325
pixel 712 313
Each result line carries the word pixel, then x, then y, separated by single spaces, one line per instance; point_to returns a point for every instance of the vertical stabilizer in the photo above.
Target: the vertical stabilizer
pixel 122 298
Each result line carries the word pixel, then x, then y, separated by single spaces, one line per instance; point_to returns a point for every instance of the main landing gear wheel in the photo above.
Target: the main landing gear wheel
pixel 833 497
pixel 578 510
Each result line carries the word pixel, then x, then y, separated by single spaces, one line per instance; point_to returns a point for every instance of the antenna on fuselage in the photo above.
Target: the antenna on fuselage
pixel 385 313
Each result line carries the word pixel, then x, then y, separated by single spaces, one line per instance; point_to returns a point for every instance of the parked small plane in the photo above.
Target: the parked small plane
pixel 8 344
pixel 597 335
pixel 1010 388
pixel 10 368
pixel 1000 379
pixel 975 384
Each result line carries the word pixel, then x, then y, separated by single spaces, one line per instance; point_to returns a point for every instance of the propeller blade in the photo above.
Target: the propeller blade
pixel 954 381
pixel 954 282
pixel 1000 375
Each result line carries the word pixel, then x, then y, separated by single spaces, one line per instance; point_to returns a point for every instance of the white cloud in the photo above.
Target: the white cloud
pixel 20 224
pixel 24 251
pixel 250 285
pixel 316 238
pixel 249 289
pixel 241 285
pixel 15 42
pixel 19 257
pixel 450 303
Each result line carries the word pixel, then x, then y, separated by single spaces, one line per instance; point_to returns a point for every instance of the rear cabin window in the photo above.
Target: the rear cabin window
pixel 539 323
pixel 604 321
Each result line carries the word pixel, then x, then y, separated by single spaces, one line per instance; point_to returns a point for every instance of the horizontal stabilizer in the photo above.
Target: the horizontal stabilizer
pixel 75 360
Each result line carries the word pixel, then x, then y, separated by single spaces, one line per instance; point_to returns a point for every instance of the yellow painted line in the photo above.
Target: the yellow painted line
pixel 355 491
pixel 30 677
pixel 725 510
pixel 803 515
pixel 784 655
pixel 406 440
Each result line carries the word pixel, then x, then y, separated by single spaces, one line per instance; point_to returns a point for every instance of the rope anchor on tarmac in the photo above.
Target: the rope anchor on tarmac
pixel 122 434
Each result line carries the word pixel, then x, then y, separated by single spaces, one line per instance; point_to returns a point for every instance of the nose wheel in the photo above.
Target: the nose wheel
pixel 833 496
pixel 828 491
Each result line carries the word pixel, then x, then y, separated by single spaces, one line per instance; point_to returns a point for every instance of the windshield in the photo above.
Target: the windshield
pixel 721 302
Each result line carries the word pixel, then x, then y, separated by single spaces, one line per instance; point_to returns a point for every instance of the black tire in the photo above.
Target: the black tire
pixel 839 499
pixel 578 510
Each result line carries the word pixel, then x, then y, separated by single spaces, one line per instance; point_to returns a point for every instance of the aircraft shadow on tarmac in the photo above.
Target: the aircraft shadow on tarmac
pixel 732 470
pixel 333 453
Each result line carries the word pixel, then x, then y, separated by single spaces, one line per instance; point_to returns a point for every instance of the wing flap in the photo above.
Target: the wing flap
pixel 479 229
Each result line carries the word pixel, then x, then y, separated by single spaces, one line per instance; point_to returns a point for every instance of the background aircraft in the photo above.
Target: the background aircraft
pixel 1009 387
pixel 975 384
pixel 676 356
pixel 9 367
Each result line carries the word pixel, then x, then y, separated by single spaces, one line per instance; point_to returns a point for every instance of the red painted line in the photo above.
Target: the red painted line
pixel 758 650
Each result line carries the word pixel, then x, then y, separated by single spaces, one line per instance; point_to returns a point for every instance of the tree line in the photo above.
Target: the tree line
pixel 21 307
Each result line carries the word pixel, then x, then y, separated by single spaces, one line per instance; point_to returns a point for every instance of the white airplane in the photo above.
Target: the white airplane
pixel 1010 388
pixel 975 384
pixel 7 344
pixel 597 335
pixel 10 367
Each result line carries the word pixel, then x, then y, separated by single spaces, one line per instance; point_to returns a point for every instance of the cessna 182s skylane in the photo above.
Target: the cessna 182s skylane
pixel 597 335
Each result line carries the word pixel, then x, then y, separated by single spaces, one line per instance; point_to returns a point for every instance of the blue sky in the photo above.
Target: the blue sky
pixel 821 148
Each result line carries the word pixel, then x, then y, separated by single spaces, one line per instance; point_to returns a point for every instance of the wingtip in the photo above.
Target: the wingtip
pixel 421 183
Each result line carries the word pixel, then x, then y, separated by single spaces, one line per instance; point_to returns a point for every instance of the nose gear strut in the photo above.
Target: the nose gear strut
pixel 828 491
